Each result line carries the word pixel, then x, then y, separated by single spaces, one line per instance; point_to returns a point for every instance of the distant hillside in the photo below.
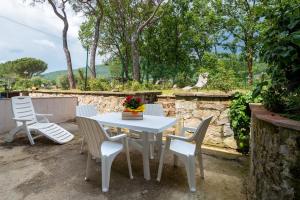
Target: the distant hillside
pixel 102 70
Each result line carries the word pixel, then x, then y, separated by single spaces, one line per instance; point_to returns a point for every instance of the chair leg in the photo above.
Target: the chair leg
pixel 200 160
pixel 175 159
pixel 161 162
pixel 159 143
pixel 29 135
pixel 105 170
pixel 82 146
pixel 10 136
pixel 88 166
pixel 190 171
pixel 151 148
pixel 128 159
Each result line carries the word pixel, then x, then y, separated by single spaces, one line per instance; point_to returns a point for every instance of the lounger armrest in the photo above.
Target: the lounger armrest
pixel 117 137
pixel 178 137
pixel 21 119
pixel 39 114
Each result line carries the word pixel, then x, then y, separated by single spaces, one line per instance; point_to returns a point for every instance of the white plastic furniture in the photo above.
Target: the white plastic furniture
pixel 28 121
pixel 154 110
pixel 202 81
pixel 86 110
pixel 148 126
pixel 102 146
pixel 185 150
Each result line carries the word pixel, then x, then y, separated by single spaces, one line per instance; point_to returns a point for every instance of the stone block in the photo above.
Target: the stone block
pixel 212 105
pixel 230 142
pixel 187 105
pixel 227 131
pixel 192 122
pixel 214 131
pixel 206 113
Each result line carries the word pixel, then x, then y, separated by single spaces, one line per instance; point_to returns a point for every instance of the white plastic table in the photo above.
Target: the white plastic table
pixel 149 125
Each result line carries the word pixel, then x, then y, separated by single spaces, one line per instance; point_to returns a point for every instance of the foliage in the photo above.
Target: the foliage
pixel 23 84
pixel 281 50
pixel 222 74
pixel 240 115
pixel 40 82
pixel 63 82
pixel 99 84
pixel 23 67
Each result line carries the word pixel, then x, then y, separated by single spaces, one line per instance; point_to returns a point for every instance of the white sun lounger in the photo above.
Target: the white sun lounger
pixel 27 120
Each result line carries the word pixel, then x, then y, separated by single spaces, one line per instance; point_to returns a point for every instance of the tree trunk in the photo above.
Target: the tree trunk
pixel 94 47
pixel 126 66
pixel 250 65
pixel 135 58
pixel 68 55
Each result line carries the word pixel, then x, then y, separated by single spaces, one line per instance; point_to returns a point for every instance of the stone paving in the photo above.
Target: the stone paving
pixel 50 171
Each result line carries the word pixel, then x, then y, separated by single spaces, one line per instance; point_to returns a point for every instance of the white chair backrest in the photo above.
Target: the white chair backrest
pixel 86 110
pixel 154 109
pixel 23 108
pixel 200 132
pixel 94 134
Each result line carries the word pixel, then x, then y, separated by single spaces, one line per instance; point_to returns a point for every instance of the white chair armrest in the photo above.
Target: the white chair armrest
pixel 117 137
pixel 178 137
pixel 39 114
pixel 21 119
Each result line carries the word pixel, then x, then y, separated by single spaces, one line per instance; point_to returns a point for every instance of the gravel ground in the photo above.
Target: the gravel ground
pixel 50 171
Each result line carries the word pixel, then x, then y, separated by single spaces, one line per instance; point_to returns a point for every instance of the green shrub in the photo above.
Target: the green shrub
pixel 99 84
pixel 240 115
pixel 23 84
pixel 39 81
pixel 183 80
pixel 135 86
pixel 63 82
pixel 281 50
pixel 221 74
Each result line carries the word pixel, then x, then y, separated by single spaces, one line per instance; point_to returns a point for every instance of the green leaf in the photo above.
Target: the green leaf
pixel 295 38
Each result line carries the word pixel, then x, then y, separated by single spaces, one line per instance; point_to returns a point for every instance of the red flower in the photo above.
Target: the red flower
pixel 128 98
pixel 138 99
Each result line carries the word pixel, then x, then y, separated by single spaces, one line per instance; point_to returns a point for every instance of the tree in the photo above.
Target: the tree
pixel 59 8
pixel 137 16
pixel 242 21
pixel 63 16
pixel 94 10
pixel 25 67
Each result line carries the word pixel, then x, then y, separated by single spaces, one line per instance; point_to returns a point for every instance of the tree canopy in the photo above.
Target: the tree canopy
pixel 23 67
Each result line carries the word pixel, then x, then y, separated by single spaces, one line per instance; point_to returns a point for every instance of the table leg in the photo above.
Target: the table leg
pixel 146 156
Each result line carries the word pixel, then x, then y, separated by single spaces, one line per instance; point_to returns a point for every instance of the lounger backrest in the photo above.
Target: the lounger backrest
pixel 154 109
pixel 23 108
pixel 86 110
pixel 94 134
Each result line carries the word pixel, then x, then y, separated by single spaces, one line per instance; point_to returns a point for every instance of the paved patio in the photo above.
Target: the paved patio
pixel 50 171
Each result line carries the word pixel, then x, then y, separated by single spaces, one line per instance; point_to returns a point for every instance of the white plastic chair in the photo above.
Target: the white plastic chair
pixel 155 110
pixel 102 146
pixel 27 120
pixel 86 110
pixel 182 148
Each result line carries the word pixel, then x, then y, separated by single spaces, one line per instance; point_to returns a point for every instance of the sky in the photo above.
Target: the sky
pixel 39 36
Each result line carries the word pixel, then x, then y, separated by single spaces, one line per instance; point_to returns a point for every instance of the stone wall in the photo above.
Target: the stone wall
pixel 275 156
pixel 105 101
pixel 192 107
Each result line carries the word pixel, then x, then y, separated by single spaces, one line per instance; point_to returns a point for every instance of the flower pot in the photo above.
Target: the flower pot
pixel 132 115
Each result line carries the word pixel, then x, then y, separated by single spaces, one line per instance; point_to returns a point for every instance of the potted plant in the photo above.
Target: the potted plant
pixel 133 108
